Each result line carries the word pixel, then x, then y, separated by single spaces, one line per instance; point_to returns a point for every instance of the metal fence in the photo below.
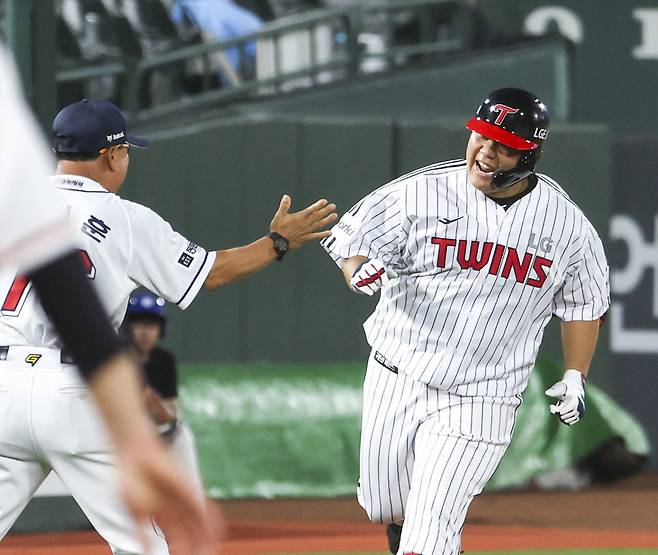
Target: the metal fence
pixel 316 47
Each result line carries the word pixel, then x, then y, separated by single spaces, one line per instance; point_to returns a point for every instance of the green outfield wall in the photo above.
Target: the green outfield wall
pixel 220 183
pixel 448 88
pixel 291 430
pixel 614 53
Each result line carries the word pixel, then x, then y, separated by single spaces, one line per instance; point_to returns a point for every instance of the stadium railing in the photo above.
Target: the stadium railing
pixel 304 50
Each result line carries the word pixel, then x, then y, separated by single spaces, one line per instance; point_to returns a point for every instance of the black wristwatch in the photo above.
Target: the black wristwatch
pixel 281 245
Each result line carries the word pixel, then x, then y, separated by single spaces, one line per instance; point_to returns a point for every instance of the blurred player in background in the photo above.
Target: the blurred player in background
pixel 37 240
pixel 473 257
pixel 145 324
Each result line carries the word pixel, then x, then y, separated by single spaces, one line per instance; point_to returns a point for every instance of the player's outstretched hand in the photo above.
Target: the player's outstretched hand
pixel 369 277
pixel 154 488
pixel 570 392
pixel 305 225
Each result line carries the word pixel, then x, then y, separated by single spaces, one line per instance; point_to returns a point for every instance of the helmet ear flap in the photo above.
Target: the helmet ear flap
pixel 529 159
pixel 524 167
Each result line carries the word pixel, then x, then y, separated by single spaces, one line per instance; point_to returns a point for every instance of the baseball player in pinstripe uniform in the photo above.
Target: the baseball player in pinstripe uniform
pixel 473 257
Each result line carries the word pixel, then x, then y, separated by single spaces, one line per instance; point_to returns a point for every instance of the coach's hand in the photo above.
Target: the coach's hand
pixel 570 392
pixel 305 225
pixel 369 277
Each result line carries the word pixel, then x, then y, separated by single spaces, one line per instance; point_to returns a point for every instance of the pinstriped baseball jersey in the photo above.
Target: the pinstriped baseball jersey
pixel 476 283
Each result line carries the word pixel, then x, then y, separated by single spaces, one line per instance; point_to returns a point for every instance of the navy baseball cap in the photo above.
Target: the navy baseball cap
pixel 89 126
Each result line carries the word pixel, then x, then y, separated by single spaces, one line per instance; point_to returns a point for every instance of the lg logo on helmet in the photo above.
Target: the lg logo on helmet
pixel 540 133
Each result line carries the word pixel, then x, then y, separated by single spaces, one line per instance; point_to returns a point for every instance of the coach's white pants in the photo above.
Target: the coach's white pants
pixel 48 421
pixel 425 454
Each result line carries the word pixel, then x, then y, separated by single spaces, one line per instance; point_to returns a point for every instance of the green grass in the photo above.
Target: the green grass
pixel 535 552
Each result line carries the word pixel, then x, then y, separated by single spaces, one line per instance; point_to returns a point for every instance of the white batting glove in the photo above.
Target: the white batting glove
pixel 570 392
pixel 369 277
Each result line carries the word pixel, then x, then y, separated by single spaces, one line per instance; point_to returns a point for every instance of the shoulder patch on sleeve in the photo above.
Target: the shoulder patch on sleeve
pixel 185 260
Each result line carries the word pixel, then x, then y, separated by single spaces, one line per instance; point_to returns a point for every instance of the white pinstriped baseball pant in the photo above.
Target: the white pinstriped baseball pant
pixel 425 454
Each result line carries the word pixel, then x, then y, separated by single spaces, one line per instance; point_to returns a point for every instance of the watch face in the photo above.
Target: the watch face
pixel 281 245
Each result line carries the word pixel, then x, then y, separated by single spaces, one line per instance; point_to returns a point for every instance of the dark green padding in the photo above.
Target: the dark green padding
pixel 219 183
pixel 268 430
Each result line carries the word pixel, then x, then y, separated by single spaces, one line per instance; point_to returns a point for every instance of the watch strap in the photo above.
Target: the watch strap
pixel 281 245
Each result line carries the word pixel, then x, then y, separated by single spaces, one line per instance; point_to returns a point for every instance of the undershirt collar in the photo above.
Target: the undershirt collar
pixel 508 201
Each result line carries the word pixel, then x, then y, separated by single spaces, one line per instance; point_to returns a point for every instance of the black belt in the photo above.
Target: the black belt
pixel 64 357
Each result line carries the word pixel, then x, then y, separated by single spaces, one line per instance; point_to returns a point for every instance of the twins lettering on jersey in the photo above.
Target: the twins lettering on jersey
pixel 499 260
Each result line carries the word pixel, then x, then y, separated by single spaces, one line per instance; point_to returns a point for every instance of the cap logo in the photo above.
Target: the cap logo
pixel 116 136
pixel 540 133
pixel 504 110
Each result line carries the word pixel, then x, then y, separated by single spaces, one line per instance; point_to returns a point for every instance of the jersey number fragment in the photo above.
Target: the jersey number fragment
pixel 20 288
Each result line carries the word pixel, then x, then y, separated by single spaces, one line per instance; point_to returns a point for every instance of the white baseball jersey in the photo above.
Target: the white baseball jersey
pixel 34 223
pixel 476 284
pixel 123 245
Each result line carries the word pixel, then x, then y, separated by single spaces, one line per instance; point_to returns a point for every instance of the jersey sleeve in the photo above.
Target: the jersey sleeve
pixel 585 293
pixel 35 225
pixel 371 228
pixel 164 261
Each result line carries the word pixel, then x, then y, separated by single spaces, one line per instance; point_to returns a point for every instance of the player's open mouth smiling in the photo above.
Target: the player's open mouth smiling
pixel 483 168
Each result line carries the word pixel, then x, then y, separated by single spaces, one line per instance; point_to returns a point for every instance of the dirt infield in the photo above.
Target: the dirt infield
pixel 623 516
